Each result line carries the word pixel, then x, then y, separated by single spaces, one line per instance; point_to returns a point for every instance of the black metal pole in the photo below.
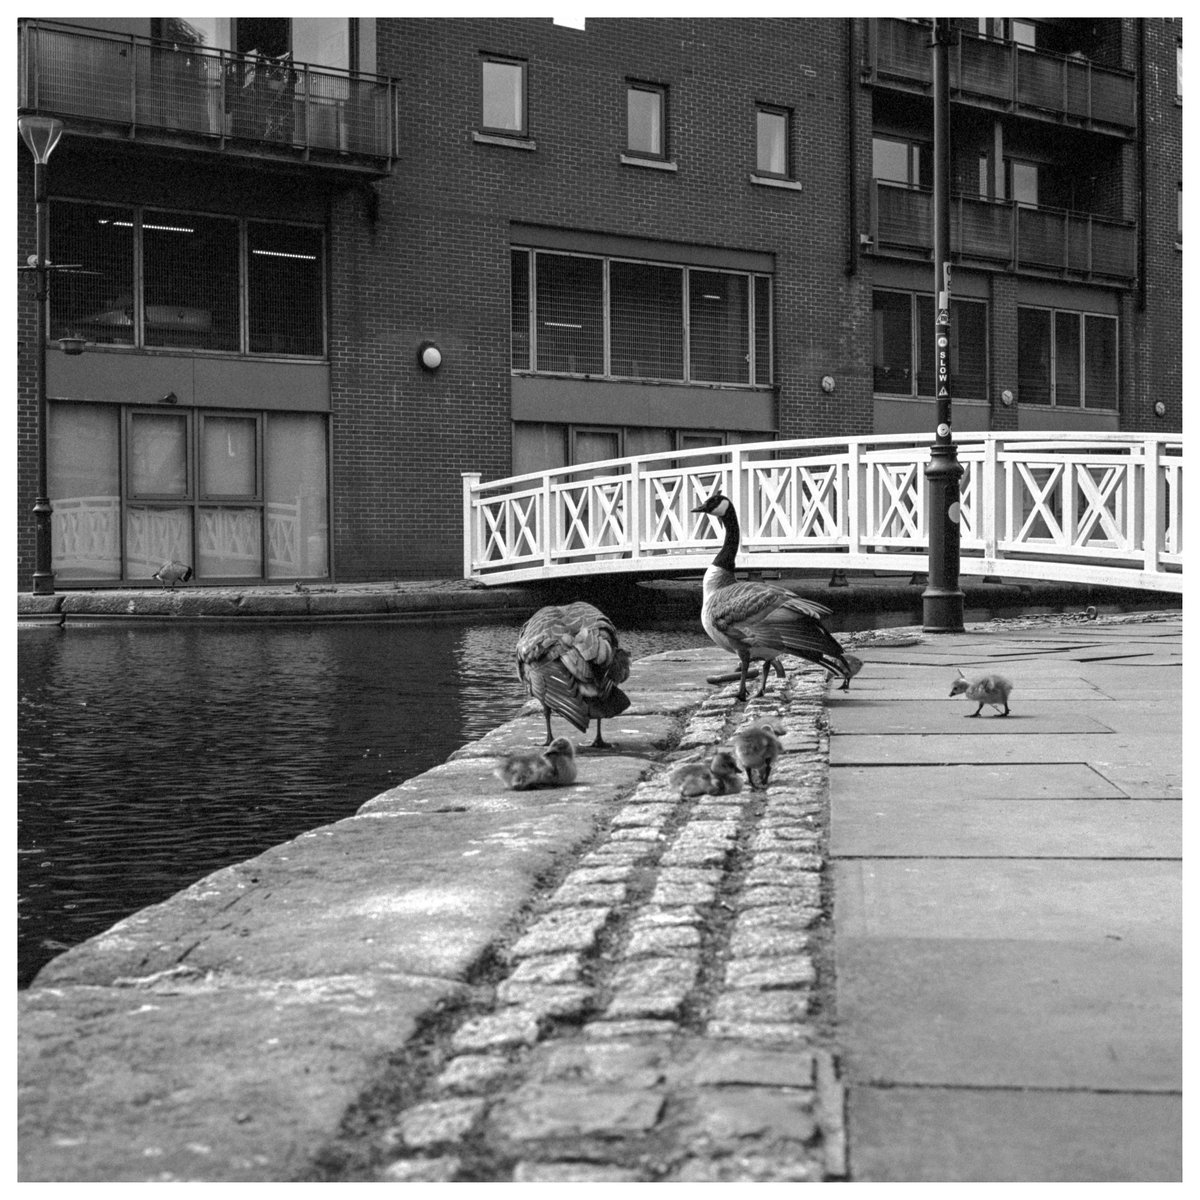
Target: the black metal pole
pixel 43 569
pixel 943 599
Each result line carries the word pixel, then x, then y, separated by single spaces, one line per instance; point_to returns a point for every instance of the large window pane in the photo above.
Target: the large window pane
pixel 297 496
pixel 538 447
pixel 285 289
pixel 645 121
pixel 1066 359
pixel 230 542
pixel 968 349
pixel 96 300
pixel 570 314
pixel 229 456
pixel 892 312
pixel 647 320
pixel 191 280
pixel 83 462
pixel 1100 350
pixel 158 454
pixel 1033 356
pixel 153 536
pixel 503 96
pixel 720 327
pixel 519 308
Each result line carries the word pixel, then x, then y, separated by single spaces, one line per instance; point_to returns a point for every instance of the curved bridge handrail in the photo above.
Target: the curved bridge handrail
pixel 1088 507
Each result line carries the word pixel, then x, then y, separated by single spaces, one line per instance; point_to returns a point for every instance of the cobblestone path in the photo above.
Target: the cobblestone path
pixel 660 1016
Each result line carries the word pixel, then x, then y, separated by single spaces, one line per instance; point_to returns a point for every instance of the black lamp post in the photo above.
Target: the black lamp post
pixel 41 135
pixel 943 599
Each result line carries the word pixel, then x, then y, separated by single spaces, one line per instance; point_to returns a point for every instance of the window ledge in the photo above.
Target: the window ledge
pixel 793 185
pixel 513 143
pixel 655 164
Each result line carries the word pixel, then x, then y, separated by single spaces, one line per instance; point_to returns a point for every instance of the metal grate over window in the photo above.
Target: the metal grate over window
pixel 285 289
pixel 92 294
pixel 190 265
pixel 720 327
pixel 570 314
pixel 762 330
pixel 519 310
pixel 646 315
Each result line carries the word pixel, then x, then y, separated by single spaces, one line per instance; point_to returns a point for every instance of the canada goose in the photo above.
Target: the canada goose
pixel 571 663
pixel 760 620
pixel 987 689
pixel 756 748
pixel 720 776
pixel 172 572
pixel 553 766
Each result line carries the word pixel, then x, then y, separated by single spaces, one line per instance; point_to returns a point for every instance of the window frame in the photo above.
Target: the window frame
pixel 486 59
pixel 753 371
pixel 1081 317
pixel 773 110
pixel 661 91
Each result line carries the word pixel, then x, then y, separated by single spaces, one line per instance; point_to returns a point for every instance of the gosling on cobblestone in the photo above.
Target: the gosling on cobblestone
pixel 987 689
pixel 720 776
pixel 553 766
pixel 756 748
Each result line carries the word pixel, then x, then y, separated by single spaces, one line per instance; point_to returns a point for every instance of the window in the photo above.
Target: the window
pixel 578 314
pixel 896 160
pixel 239 495
pixel 1179 71
pixel 199 274
pixel 905 356
pixel 503 96
pixel 772 156
pixel 1021 180
pixel 646 113
pixel 1066 359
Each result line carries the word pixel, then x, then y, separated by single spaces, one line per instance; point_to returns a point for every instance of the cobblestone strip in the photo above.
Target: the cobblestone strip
pixel 660 1017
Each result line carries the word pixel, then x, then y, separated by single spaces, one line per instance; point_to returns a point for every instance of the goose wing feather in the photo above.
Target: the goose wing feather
pixel 750 601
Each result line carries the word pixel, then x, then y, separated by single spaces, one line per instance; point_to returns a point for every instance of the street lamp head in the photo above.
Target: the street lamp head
pixel 41 135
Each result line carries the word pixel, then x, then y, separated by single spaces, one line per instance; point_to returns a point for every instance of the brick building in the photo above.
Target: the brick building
pixel 635 236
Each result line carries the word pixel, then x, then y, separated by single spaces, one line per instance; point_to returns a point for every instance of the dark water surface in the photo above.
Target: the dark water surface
pixel 149 756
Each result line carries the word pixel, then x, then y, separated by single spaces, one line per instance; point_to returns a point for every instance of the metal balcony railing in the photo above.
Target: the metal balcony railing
pixel 1000 73
pixel 1006 235
pixel 240 103
pixel 1101 508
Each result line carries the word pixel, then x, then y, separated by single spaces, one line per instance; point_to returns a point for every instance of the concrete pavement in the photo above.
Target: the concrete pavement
pixel 1007 908
pixel 934 949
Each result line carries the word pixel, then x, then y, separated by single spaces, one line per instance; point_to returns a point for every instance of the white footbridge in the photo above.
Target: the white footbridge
pixel 1098 508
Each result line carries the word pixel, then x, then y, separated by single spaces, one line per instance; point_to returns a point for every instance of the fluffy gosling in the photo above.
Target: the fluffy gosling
pixel 987 689
pixel 720 776
pixel 552 767
pixel 756 748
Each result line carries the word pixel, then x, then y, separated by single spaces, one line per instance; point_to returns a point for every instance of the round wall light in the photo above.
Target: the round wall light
pixel 1160 409
pixel 827 383
pixel 429 356
pixel 1006 397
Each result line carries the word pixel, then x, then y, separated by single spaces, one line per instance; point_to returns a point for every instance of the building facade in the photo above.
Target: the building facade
pixel 636 236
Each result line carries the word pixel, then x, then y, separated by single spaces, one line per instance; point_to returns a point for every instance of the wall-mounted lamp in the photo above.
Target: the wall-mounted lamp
pixel 827 383
pixel 1006 397
pixel 1160 409
pixel 71 344
pixel 429 356
pixel 169 398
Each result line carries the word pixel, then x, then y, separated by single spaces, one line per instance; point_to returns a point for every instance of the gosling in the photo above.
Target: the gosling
pixel 987 689
pixel 552 767
pixel 720 776
pixel 757 747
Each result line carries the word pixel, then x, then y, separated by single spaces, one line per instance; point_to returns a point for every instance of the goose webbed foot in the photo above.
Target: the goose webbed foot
pixel 975 713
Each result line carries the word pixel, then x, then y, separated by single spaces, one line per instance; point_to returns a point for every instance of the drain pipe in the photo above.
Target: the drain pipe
pixel 852 149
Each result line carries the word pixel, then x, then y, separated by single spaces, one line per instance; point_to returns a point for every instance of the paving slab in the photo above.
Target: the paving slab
pixel 887 826
pixel 958 1135
pixel 863 716
pixel 978 781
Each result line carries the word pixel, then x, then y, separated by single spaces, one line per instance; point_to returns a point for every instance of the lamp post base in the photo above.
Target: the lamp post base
pixel 942 610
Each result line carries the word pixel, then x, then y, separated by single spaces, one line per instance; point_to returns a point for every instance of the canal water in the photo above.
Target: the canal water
pixel 150 756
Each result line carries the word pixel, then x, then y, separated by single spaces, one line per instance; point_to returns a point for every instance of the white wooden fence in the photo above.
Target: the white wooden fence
pixel 1101 508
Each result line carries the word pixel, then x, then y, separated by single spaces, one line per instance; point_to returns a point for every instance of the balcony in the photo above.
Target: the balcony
pixel 153 92
pixel 1067 89
pixel 1006 236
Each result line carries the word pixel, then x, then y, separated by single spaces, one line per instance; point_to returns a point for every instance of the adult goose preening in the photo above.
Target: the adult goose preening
pixel 571 663
pixel 759 621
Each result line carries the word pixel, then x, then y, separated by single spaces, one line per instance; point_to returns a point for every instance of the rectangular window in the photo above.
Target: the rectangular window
pixel 1067 359
pixel 503 109
pixel 905 353
pixel 896 160
pixel 235 494
pixel 195 284
pixel 570 314
pixel 646 120
pixel 1022 182
pixel 773 141
pixel 646 307
pixel 617 318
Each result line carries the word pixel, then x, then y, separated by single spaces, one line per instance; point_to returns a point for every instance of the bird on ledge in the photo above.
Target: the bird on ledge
pixel 553 766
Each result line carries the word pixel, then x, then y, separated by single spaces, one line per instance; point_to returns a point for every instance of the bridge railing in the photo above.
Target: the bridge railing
pixel 1103 508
